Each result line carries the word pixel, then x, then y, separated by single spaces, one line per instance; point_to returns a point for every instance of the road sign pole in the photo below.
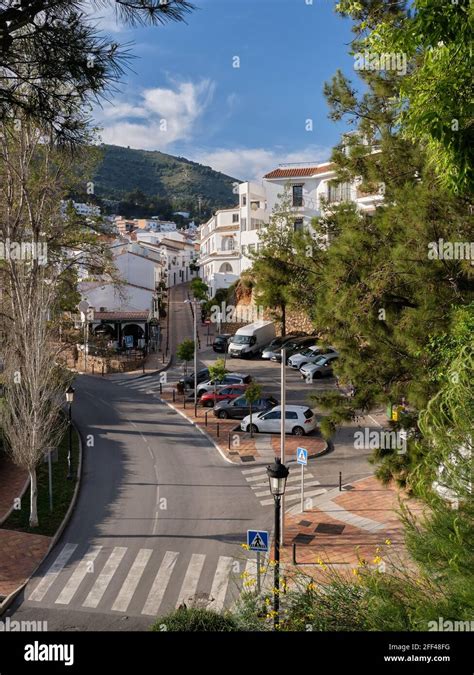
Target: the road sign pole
pixel 50 480
pixel 302 488
pixel 258 573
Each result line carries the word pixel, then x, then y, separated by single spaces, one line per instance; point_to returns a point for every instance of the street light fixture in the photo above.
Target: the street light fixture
pixel 70 398
pixel 277 475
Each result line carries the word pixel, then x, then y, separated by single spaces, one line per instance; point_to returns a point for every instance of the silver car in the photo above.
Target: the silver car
pixel 309 355
pixel 321 368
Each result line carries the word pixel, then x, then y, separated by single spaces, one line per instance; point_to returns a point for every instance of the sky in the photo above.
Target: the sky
pixel 234 87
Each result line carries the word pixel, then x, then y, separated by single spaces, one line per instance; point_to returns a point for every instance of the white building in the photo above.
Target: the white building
pixel 310 193
pixel 81 208
pixel 219 256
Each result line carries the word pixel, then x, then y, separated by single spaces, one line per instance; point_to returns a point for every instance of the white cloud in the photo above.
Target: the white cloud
pixel 253 163
pixel 168 115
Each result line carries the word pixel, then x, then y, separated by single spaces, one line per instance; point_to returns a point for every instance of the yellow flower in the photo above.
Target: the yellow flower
pixel 355 572
pixel 388 542
pixel 245 546
pixel 377 560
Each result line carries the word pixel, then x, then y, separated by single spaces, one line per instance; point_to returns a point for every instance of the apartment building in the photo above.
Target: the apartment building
pixel 231 234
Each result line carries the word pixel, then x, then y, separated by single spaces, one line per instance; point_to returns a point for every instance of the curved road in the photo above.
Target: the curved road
pixel 160 519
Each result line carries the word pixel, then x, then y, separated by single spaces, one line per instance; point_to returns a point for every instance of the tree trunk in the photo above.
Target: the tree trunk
pixel 33 499
pixel 283 320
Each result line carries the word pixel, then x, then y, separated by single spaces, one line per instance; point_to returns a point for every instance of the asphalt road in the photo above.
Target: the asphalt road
pixel 160 519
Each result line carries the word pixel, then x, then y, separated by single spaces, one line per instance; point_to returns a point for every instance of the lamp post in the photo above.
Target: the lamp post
pixel 277 475
pixel 70 398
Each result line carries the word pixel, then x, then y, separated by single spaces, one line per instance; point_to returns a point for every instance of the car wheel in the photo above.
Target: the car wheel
pixel 252 428
pixel 209 404
pixel 317 375
pixel 298 431
pixel 223 415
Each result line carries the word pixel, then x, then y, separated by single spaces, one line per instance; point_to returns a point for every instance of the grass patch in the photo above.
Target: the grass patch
pixel 63 490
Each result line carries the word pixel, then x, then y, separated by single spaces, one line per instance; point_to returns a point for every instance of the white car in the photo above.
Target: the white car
pixel 299 420
pixel 309 355
pixel 320 368
pixel 230 378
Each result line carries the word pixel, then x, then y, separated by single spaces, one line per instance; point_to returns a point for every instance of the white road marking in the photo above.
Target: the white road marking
pixel 257 470
pixel 160 583
pixel 105 577
pixel 83 567
pixel 130 584
pixel 52 573
pixel 293 488
pixel 220 583
pixel 289 498
pixel 290 479
pixel 191 580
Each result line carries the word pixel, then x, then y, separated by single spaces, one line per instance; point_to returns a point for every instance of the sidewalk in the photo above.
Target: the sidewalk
pixel 344 528
pixel 237 445
pixel 21 551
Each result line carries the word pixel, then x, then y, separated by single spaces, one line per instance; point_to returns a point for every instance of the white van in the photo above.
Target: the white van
pixel 249 340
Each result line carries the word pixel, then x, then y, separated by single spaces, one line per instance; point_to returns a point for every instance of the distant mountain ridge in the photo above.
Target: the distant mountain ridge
pixel 181 181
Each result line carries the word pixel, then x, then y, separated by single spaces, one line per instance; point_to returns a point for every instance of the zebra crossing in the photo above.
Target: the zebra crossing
pixel 150 384
pixel 143 582
pixel 258 480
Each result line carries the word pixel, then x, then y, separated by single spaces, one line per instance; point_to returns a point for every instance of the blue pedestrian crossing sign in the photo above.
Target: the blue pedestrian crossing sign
pixel 257 540
pixel 302 456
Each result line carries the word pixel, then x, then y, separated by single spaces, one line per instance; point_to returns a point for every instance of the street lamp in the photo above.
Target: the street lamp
pixel 70 398
pixel 277 475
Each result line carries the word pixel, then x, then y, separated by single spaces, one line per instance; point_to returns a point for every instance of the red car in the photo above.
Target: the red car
pixel 232 391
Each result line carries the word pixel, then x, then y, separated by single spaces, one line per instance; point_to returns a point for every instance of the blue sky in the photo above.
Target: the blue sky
pixel 185 97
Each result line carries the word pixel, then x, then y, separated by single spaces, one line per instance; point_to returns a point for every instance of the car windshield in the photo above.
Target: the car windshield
pixel 320 361
pixel 240 401
pixel 275 343
pixel 241 339
pixel 307 352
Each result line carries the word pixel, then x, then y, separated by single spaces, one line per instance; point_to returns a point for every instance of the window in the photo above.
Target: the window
pixel 297 195
pixel 273 415
pixel 308 413
pixel 244 200
pixel 291 415
pixel 235 217
pixel 298 225
pixel 254 205
pixel 243 224
pixel 225 268
pixel 251 248
pixel 339 193
pixel 243 248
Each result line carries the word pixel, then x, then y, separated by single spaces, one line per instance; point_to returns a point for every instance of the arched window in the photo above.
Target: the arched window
pixel 225 268
pixel 227 244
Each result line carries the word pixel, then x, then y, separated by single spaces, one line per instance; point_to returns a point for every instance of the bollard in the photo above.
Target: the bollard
pixel 340 481
pixel 163 358
pixel 92 369
pixel 174 395
pixel 143 367
pixel 205 417
pixel 195 409
pixel 228 441
pixel 218 430
pixel 161 388
pixel 184 401
pixel 102 370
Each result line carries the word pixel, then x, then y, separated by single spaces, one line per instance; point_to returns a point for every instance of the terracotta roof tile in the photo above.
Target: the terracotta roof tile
pixel 298 172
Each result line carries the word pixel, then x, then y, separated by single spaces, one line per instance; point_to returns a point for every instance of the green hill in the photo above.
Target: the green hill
pixel 123 171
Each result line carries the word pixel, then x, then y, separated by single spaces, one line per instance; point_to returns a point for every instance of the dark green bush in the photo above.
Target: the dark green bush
pixel 193 619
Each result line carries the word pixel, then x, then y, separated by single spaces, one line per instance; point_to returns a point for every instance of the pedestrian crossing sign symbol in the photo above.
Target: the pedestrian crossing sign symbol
pixel 257 540
pixel 302 456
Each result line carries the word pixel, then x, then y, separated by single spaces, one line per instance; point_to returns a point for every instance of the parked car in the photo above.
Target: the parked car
pixel 299 420
pixel 309 355
pixel 230 378
pixel 294 346
pixel 221 342
pixel 240 407
pixel 321 368
pixel 250 340
pixel 278 342
pixel 188 381
pixel 226 394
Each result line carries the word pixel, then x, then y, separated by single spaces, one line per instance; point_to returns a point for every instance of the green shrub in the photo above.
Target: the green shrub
pixel 193 619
